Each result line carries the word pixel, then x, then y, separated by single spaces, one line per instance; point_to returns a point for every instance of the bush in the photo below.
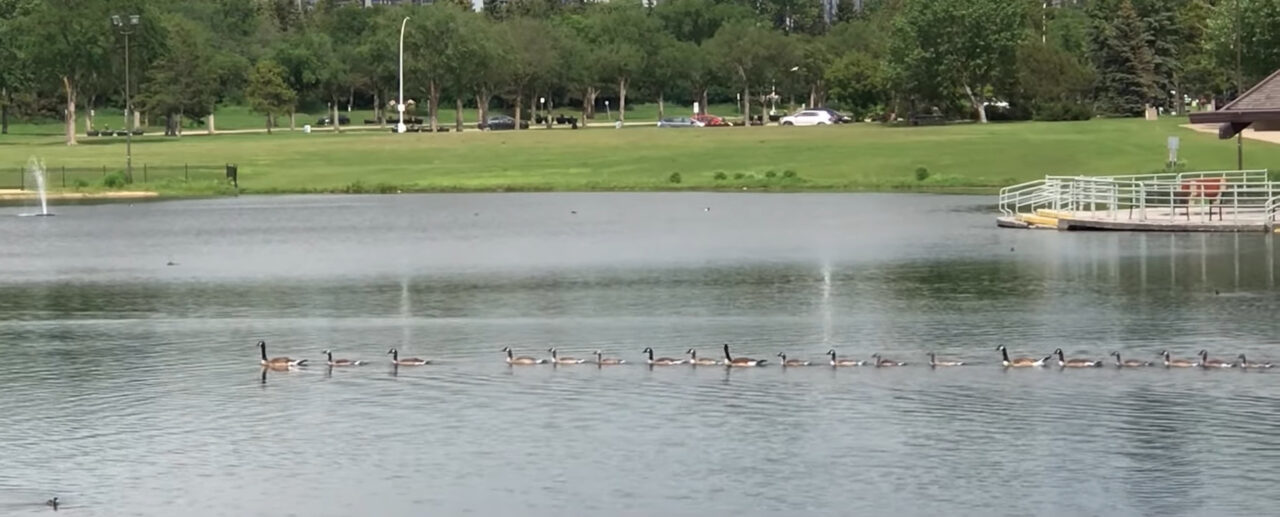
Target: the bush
pixel 1062 111
pixel 1004 114
pixel 922 173
pixel 674 178
pixel 720 175
pixel 771 174
pixel 739 175
pixel 788 174
pixel 115 180
pixel 80 183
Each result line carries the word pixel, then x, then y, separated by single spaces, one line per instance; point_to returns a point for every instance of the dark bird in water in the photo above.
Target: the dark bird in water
pixel 573 212
pixel 170 263
pixel 1010 248
pixel 706 209
pixel 52 503
pixel 1216 293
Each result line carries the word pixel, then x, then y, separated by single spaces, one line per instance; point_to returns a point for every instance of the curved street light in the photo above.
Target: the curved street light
pixel 400 100
pixel 125 26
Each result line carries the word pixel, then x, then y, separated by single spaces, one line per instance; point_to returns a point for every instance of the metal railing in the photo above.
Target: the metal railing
pixel 1240 196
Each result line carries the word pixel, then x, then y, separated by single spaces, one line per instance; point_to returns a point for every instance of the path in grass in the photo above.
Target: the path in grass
pixel 853 157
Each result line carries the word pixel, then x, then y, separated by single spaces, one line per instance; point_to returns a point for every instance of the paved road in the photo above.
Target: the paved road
pixel 1264 136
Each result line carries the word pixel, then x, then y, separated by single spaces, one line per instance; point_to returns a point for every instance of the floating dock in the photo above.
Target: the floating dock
pixel 1218 201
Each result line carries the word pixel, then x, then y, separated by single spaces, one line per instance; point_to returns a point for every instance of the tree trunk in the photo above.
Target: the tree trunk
pixel 519 106
pixel 377 110
pixel 337 123
pixel 589 104
pixel 702 107
pixel 661 108
pixel 169 123
pixel 746 104
pixel 269 123
pixel 5 99
pixel 457 113
pixel 977 104
pixel 292 120
pixel 209 124
pixel 813 95
pixel 69 116
pixel 433 103
pixel 179 125
pixel 622 100
pixel 351 99
pixel 136 123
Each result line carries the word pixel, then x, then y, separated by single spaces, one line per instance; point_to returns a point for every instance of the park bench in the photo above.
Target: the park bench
pixel 927 119
pixel 1208 190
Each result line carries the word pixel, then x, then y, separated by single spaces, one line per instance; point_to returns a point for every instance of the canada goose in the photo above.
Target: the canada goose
pixel 1205 362
pixel 661 361
pixel 934 362
pixel 741 361
pixel 52 503
pixel 1176 363
pixel 408 361
pixel 880 361
pixel 844 362
pixel 792 362
pixel 1020 362
pixel 1244 363
pixel 693 359
pixel 600 360
pixel 278 362
pixel 556 359
pixel 524 359
pixel 1130 363
pixel 341 362
pixel 1074 363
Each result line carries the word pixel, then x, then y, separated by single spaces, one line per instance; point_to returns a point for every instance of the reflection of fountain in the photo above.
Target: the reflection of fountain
pixel 36 168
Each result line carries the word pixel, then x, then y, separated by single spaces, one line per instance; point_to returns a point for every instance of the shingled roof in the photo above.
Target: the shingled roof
pixel 1260 107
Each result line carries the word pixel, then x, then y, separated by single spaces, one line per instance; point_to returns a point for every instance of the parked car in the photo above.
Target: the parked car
pixel 501 122
pixel 839 118
pixel 342 119
pixel 679 122
pixel 709 120
pixel 808 118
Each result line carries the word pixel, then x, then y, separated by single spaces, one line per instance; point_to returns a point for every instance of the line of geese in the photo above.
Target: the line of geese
pixel 834 360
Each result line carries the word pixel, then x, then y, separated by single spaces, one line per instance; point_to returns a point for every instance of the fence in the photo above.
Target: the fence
pixel 143 174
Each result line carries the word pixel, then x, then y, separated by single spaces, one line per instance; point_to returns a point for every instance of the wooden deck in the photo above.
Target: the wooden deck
pixel 1156 220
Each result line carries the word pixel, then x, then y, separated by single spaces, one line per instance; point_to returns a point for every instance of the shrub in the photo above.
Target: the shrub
pixel 115 180
pixel 770 174
pixel 80 183
pixel 922 173
pixel 674 178
pixel 738 175
pixel 1061 111
pixel 720 175
pixel 788 174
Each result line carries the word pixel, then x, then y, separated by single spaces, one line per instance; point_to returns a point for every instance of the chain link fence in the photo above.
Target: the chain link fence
pixel 70 177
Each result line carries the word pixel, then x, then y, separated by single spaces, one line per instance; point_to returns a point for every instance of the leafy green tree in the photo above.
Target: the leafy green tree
pixel 304 55
pixel 622 33
pixel 15 66
pixel 748 51
pixel 1258 24
pixel 669 68
pixel 968 45
pixel 1126 68
pixel 858 82
pixel 1055 83
pixel 69 42
pixel 268 93
pixel 532 56
pixel 184 81
pixel 697 20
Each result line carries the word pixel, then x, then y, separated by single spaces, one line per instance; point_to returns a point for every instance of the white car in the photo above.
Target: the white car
pixel 808 118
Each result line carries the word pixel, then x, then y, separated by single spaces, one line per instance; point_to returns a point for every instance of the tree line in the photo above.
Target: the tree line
pixel 978 59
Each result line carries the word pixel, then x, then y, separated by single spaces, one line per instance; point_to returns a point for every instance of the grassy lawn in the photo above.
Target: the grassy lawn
pixel 852 157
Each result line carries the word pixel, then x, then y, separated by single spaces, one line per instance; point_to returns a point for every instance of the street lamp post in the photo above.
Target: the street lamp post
pixel 400 100
pixel 126 27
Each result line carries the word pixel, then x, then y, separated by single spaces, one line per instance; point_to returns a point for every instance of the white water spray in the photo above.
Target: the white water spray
pixel 36 168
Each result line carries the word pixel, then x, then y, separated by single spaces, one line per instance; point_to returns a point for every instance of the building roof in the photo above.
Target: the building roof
pixel 1260 104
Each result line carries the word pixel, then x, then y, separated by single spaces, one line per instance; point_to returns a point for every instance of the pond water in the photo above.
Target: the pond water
pixel 132 387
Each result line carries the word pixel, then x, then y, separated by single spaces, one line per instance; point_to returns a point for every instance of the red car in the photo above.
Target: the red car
pixel 710 120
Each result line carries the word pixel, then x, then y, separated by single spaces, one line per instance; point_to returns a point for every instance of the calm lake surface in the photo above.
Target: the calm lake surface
pixel 129 387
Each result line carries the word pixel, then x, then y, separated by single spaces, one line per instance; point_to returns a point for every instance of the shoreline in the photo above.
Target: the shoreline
pixel 26 195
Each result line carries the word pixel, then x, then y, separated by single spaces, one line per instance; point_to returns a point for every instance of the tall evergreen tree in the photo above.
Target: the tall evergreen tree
pixel 1125 66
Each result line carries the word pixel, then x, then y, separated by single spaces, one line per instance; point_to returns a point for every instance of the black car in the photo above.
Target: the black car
pixel 839 118
pixel 342 119
pixel 502 122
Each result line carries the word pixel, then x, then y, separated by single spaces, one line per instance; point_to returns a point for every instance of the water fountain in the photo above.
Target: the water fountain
pixel 35 168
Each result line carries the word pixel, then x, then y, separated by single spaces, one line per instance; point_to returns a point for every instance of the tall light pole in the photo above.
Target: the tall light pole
pixel 126 27
pixel 400 100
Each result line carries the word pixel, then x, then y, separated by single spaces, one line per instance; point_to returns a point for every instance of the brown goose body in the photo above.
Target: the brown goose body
pixel 607 361
pixel 881 362
pixel 696 361
pixel 524 359
pixel 1206 362
pixel 661 361
pixel 841 363
pixel 1170 362
pixel 1075 363
pixel 408 361
pixel 792 362
pixel 934 362
pixel 556 359
pixel 1020 362
pixel 278 362
pixel 1130 363
pixel 341 362
pixel 740 362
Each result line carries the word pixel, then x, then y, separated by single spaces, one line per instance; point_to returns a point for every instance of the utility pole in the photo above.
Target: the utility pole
pixel 1239 85
pixel 126 27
